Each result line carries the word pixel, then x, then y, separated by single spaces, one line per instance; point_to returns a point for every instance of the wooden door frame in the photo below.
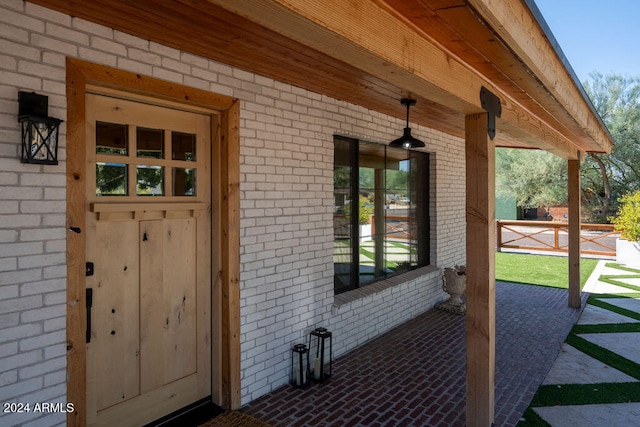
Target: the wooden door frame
pixel 225 342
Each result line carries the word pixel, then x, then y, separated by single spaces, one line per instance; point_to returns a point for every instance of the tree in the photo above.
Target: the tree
pixel 606 178
pixel 536 178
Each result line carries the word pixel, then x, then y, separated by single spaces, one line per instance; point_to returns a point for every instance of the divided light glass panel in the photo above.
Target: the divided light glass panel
pixel 112 139
pixel 111 179
pixel 151 151
pixel 150 180
pixel 385 232
pixel 183 146
pixel 184 181
pixel 150 143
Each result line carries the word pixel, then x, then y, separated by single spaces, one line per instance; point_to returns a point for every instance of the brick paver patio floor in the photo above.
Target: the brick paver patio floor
pixel 414 375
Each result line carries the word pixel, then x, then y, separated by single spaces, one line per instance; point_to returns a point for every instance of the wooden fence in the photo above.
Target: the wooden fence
pixel 595 239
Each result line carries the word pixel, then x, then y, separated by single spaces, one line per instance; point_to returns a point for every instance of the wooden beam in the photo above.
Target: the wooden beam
pixel 481 285
pixel 207 30
pixel 516 25
pixel 574 233
pixel 367 36
pixel 461 30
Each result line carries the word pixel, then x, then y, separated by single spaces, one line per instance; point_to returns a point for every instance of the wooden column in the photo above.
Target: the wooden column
pixel 481 283
pixel 574 233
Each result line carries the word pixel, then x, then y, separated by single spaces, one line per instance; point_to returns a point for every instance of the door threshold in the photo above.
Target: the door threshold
pixel 190 416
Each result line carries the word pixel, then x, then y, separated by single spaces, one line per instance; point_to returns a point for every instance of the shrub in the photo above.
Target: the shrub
pixel 364 212
pixel 627 220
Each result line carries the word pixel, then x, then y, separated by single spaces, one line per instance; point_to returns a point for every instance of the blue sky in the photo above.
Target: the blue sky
pixel 596 35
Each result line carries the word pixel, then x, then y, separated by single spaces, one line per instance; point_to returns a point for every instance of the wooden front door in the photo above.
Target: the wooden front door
pixel 148 246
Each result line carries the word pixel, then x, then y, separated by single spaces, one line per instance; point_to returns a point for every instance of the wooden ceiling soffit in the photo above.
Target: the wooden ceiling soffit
pixel 516 25
pixel 365 35
pixel 460 30
pixel 207 30
pixel 367 56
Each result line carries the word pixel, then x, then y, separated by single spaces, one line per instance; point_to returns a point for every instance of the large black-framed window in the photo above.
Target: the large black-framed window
pixel 381 212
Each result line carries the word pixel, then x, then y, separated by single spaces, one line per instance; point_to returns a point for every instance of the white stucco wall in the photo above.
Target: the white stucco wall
pixel 286 223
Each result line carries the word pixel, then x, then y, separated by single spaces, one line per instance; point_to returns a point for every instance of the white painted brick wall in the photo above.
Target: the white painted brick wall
pixel 286 208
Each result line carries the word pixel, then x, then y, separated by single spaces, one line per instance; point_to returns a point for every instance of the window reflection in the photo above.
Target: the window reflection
pixel 381 221
pixel 184 182
pixel 111 179
pixel 343 252
pixel 150 180
pixel 112 138
pixel 150 143
pixel 148 159
pixel 183 146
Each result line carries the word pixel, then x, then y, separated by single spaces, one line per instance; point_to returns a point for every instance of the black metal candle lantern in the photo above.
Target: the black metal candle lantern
pixel 300 375
pixel 321 349
pixel 39 132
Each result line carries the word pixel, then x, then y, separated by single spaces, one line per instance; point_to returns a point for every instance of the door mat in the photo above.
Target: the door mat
pixel 234 419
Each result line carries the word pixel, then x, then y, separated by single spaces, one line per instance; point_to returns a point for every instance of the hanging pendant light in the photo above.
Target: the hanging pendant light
pixel 406 140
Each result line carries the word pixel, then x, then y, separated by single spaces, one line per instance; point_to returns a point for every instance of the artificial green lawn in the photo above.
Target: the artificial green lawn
pixel 540 270
pixel 603 393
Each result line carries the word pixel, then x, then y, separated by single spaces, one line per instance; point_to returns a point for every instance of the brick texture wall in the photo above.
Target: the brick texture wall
pixel 286 209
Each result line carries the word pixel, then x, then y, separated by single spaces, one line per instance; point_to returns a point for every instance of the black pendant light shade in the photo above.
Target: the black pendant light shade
pixel 406 140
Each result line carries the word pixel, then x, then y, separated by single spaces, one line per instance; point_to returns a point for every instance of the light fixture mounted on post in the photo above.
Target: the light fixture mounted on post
pixel 406 140
pixel 39 131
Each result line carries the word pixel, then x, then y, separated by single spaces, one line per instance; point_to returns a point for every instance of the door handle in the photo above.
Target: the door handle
pixel 89 303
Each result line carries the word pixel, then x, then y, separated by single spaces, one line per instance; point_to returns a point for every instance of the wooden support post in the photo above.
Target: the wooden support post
pixel 574 233
pixel 481 283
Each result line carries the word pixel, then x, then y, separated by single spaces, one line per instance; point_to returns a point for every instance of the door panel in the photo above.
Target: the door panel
pixel 168 292
pixel 151 277
pixel 150 348
pixel 116 349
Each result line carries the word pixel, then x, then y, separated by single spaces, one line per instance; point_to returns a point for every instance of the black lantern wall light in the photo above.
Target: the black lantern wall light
pixel 407 140
pixel 39 131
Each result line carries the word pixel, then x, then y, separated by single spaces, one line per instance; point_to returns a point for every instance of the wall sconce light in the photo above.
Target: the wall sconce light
pixel 407 140
pixel 300 375
pixel 321 350
pixel 39 131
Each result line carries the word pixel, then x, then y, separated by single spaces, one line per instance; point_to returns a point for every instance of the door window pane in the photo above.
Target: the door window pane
pixel 150 143
pixel 112 138
pixel 184 182
pixel 111 179
pixel 183 146
pixel 150 180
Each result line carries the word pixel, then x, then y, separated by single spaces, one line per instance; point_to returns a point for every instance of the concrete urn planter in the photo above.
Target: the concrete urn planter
pixel 454 282
pixel 628 253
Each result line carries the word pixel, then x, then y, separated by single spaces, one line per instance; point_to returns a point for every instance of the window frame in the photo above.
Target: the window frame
pixel 421 208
